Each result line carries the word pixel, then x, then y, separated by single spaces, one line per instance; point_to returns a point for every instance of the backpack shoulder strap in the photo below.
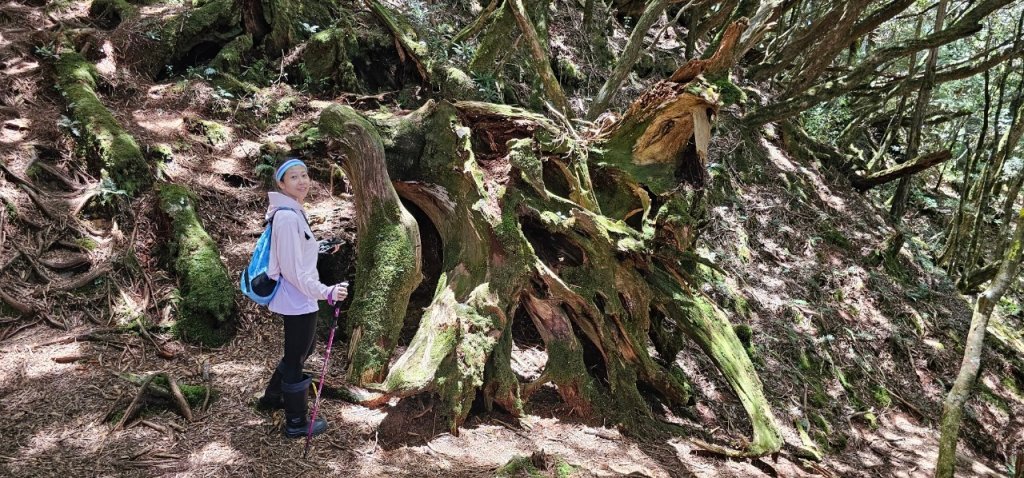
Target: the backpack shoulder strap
pixel 270 221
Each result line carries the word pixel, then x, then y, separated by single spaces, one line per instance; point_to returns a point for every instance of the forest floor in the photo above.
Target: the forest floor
pixel 856 356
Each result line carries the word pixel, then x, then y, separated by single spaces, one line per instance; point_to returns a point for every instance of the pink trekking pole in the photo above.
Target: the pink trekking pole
pixel 323 373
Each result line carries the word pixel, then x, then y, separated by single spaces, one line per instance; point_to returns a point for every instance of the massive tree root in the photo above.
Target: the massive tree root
pixel 591 240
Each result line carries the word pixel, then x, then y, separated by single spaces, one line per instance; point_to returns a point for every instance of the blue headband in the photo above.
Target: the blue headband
pixel 287 164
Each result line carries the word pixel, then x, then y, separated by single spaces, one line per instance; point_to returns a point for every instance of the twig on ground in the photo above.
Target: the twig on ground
pixel 135 403
pixel 186 411
pixel 155 426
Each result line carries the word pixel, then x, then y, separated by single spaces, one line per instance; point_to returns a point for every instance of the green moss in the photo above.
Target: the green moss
pixel 87 243
pixel 832 236
pixel 809 445
pixel 194 394
pixel 110 13
pixel 871 419
pixel 207 305
pixel 386 263
pixel 804 360
pixel 881 395
pixel 306 138
pixel 214 132
pixel 1011 384
pixel 326 61
pixel 455 84
pixel 386 273
pixel 729 93
pixel 518 466
pixel 292 22
pixel 501 382
pixel 231 57
pixel 216 21
pixel 989 396
pixel 563 469
pixel 523 157
pixel 101 137
pixel 816 394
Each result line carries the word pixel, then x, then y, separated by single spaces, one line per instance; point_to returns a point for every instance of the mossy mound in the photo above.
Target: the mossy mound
pixel 326 62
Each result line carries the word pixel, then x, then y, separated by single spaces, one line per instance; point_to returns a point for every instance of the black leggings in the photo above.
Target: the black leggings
pixel 299 344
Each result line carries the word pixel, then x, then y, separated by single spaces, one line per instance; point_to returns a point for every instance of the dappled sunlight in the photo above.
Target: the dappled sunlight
pixel 29 363
pixel 108 65
pixel 167 126
pixel 228 164
pixel 245 149
pixel 782 161
pixel 779 158
pixel 160 90
pixel 20 66
pixel 215 455
pixel 15 130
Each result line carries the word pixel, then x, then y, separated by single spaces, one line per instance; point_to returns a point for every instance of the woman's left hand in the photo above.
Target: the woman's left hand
pixel 339 292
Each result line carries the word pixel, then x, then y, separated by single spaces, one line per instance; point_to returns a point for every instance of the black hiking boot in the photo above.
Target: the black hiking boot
pixel 296 423
pixel 272 398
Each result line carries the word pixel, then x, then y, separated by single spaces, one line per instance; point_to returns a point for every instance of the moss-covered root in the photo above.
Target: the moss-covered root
pixel 453 347
pixel 107 145
pixel 191 35
pixel 231 57
pixel 707 325
pixel 388 257
pixel 565 366
pixel 207 308
pixel 461 346
pixel 110 13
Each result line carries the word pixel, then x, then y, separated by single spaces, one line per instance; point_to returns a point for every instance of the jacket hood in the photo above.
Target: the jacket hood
pixel 279 200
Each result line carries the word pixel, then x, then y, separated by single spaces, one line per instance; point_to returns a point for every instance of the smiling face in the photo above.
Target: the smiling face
pixel 295 183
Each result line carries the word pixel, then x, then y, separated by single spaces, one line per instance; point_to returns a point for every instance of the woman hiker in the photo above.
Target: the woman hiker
pixel 293 256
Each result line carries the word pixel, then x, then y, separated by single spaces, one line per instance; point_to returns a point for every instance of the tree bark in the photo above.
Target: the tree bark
pixel 388 254
pixel 899 199
pixel 920 163
pixel 952 408
pixel 628 58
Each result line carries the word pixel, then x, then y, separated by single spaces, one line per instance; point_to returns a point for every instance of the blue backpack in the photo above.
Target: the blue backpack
pixel 255 283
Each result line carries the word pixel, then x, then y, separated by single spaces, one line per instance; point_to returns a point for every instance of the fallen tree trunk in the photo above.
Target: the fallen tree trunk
pixel 111 149
pixel 206 312
pixel 920 163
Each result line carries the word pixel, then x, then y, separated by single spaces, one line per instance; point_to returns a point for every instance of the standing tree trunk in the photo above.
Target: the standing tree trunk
pixel 629 56
pixel 952 408
pixel 899 199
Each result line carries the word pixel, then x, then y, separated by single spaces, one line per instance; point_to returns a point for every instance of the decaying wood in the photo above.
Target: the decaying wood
pixel 66 262
pixel 719 63
pixel 81 280
pixel 920 163
pixel 541 62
